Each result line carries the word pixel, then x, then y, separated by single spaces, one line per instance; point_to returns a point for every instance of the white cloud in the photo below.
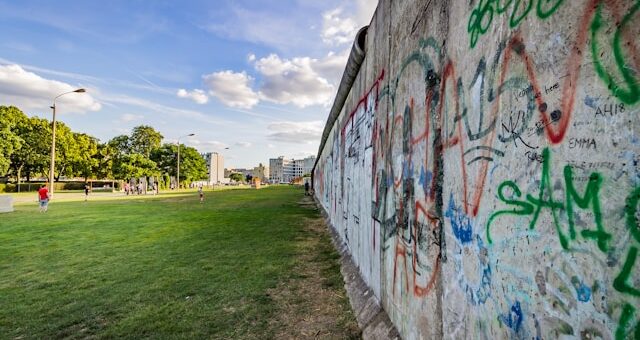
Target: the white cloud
pixel 232 89
pixel 296 132
pixel 209 145
pixel 293 81
pixel 300 81
pixel 332 66
pixel 175 112
pixel 28 90
pixel 337 29
pixel 196 95
pixel 243 144
pixel 364 11
pixel 128 117
pixel 340 28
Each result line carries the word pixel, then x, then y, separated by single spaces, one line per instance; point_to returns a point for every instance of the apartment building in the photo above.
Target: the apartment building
pixel 215 167
pixel 283 170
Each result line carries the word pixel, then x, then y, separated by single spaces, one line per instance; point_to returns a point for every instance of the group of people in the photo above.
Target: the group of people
pixel 139 189
pixel 44 195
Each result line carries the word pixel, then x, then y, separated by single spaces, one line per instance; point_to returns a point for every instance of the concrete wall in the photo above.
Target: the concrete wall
pixel 484 170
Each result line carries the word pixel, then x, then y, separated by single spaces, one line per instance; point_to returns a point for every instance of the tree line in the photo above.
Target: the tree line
pixel 25 152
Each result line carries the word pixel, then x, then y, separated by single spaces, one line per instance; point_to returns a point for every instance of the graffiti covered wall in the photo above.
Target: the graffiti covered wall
pixel 483 171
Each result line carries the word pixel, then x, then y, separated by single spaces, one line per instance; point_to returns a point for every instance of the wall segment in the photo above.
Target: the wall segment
pixel 483 170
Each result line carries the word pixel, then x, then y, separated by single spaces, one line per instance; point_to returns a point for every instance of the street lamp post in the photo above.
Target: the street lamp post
pixel 189 135
pixel 53 138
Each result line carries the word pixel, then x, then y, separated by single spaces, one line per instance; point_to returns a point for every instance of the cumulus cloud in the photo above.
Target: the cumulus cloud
pixel 293 81
pixel 232 89
pixel 332 66
pixel 337 29
pixel 300 81
pixel 296 132
pixel 28 90
pixel 196 95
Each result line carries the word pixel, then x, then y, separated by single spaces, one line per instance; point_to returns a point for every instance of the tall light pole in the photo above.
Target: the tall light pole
pixel 53 138
pixel 189 135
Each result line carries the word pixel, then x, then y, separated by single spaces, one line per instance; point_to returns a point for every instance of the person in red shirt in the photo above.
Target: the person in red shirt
pixel 43 198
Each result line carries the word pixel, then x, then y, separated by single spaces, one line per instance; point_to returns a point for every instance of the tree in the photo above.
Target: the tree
pixel 84 162
pixel 145 139
pixel 103 161
pixel 10 118
pixel 120 145
pixel 237 177
pixel 192 166
pixel 66 151
pixel 33 155
pixel 133 166
pixel 166 158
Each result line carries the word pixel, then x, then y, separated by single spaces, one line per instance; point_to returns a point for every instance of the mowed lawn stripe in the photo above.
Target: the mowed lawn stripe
pixel 164 266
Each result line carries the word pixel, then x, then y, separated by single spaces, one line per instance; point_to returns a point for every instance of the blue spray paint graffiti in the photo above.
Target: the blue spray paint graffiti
pixel 590 102
pixel 407 169
pixel 425 180
pixel 460 222
pixel 583 292
pixel 513 319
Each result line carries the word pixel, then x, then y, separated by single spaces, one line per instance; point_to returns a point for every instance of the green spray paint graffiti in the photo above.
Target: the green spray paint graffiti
pixel 532 206
pixel 621 281
pixel 621 77
pixel 628 95
pixel 535 205
pixel 482 16
pixel 625 318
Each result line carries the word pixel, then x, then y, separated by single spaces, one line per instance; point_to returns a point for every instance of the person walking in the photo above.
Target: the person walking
pixel 86 192
pixel 43 198
pixel 201 193
pixel 306 188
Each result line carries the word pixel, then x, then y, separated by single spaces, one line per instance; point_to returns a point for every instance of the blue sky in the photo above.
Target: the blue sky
pixel 255 76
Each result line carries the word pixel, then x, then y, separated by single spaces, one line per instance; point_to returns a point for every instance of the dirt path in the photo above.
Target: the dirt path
pixel 313 304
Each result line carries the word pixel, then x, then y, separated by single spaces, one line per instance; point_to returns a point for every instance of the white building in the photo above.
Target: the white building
pixel 215 167
pixel 283 170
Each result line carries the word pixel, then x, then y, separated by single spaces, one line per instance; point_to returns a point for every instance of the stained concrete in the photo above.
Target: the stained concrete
pixel 372 319
pixel 482 172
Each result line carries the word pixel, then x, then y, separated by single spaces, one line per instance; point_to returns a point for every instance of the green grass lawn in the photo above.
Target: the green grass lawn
pixel 159 267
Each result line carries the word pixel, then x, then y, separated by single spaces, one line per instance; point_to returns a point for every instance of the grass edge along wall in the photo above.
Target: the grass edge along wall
pixel 483 171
